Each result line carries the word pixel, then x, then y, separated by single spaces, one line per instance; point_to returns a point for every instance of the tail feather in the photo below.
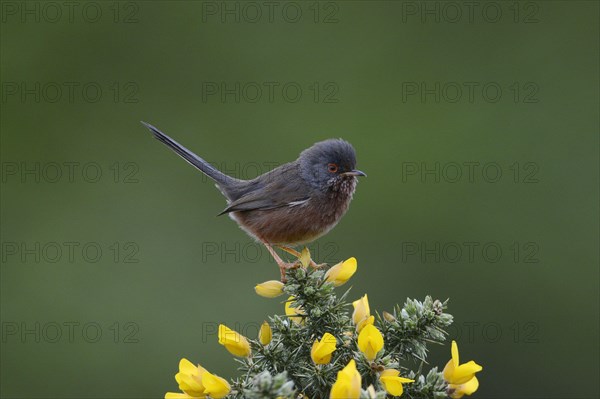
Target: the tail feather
pixel 221 178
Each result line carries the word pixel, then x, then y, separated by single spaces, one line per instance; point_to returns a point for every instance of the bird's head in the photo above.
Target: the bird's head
pixel 330 165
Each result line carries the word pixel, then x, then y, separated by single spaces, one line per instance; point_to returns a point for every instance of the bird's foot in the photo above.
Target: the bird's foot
pixel 297 254
pixel 284 266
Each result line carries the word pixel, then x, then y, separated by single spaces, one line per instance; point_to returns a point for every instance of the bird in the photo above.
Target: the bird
pixel 290 205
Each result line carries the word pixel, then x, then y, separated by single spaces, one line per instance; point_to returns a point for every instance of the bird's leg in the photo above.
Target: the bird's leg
pixel 283 266
pixel 297 254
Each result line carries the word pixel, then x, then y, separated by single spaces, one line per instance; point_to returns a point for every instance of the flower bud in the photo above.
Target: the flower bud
pixel 269 289
pixel 341 272
pixel 389 317
pixel 362 313
pixel 234 342
pixel 265 334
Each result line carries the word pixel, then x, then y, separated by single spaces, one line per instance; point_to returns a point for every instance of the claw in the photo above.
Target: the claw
pixel 297 254
pixel 283 266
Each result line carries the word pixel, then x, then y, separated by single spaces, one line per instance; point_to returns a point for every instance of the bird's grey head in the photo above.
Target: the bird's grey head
pixel 328 164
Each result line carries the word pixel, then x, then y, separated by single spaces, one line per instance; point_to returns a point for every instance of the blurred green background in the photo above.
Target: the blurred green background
pixel 79 323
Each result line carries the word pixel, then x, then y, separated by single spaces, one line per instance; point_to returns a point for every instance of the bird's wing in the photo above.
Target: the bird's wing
pixel 283 188
pixel 252 203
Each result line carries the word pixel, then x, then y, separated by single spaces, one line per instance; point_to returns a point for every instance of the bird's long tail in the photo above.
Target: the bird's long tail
pixel 221 178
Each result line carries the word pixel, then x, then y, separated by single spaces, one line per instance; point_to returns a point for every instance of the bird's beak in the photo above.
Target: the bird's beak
pixel 355 173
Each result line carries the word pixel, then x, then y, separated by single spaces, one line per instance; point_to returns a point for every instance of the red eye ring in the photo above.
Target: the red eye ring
pixel 332 168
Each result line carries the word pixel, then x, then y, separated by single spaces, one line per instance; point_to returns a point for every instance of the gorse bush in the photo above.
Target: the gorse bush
pixel 321 349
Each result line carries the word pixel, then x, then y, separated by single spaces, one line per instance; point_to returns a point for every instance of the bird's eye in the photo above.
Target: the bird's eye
pixel 332 168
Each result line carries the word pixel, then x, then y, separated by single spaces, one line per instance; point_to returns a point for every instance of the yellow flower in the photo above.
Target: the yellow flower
pixel 322 350
pixel 392 381
pixel 370 341
pixel 197 382
pixel 269 289
pixel 265 334
pixel 347 385
pixel 294 313
pixel 341 272
pixel 362 314
pixel 461 377
pixel 234 342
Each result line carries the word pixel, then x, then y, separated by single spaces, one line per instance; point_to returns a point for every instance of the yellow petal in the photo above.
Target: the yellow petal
pixel 265 334
pixel 390 373
pixel 322 350
pixel 454 352
pixel 467 388
pixel 449 370
pixel 187 367
pixel 396 374
pixel 189 378
pixel 216 386
pixel 370 341
pixel 471 386
pixel 333 272
pixel 317 355
pixel 234 342
pixel 364 322
pixel 465 372
pixel 341 273
pixel 190 384
pixel 392 386
pixel 392 381
pixel 269 289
